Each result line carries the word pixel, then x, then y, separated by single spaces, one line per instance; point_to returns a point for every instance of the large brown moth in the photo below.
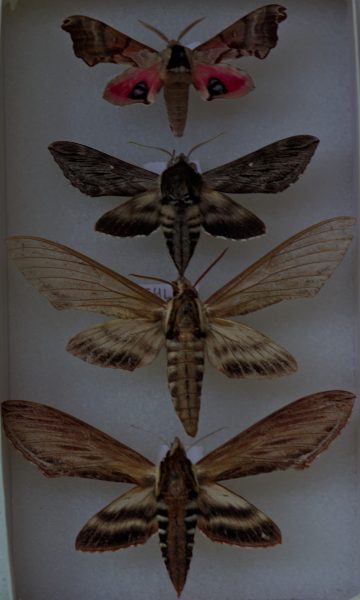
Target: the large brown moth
pixel 142 322
pixel 177 496
pixel 176 67
pixel 182 200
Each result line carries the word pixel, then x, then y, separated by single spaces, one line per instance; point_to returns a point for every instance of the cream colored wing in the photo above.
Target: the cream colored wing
pixel 61 445
pixel 290 438
pixel 228 518
pixel 297 268
pixel 121 344
pixel 240 351
pixel 69 279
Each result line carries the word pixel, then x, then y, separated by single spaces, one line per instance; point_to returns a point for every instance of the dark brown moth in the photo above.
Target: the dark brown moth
pixel 176 67
pixel 142 322
pixel 182 200
pixel 177 496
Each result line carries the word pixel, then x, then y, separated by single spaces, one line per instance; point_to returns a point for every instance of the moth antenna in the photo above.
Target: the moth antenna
pixel 188 27
pixel 204 437
pixel 210 267
pixel 150 278
pixel 157 435
pixel 154 30
pixel 203 143
pixel 154 147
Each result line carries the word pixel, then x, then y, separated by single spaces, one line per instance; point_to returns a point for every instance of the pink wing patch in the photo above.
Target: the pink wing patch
pixel 221 81
pixel 135 85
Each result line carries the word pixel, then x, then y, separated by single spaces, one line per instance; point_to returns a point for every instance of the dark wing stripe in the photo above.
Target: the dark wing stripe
pixel 128 521
pixel 120 344
pixel 228 518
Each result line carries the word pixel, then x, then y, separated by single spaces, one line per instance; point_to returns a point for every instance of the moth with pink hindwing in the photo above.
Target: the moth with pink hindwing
pixel 182 201
pixel 176 67
pixel 142 323
pixel 178 496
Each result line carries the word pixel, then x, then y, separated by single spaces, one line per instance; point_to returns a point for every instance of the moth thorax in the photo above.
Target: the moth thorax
pixel 176 475
pixel 179 58
pixel 180 183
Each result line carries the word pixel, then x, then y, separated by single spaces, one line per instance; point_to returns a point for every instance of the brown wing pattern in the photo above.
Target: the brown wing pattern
pixel 222 216
pixel 95 42
pixel 98 174
pixel 138 216
pixel 242 352
pixel 291 437
pixel 267 170
pixel 228 518
pixel 119 344
pixel 69 279
pixel 61 445
pixel 297 268
pixel 127 521
pixel 252 35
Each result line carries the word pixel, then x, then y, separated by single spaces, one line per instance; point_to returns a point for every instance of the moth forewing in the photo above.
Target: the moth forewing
pixel 270 169
pixel 291 437
pixel 98 174
pixel 61 445
pixel 297 268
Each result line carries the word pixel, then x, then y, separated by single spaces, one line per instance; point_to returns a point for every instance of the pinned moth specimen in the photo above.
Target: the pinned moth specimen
pixel 176 67
pixel 142 322
pixel 177 496
pixel 182 200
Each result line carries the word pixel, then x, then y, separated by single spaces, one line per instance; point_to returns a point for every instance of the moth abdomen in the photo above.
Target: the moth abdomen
pixel 176 93
pixel 185 374
pixel 181 222
pixel 176 528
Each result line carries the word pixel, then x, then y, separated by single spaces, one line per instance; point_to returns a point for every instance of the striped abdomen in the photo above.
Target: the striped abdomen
pixel 177 524
pixel 185 372
pixel 181 226
pixel 176 93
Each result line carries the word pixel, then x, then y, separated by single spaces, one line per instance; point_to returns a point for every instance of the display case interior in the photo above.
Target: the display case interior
pixel 307 85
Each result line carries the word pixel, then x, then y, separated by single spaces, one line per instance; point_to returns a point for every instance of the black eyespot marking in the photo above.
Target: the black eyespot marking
pixel 216 87
pixel 139 91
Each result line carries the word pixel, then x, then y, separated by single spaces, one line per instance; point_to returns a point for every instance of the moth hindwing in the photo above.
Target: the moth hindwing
pixel 182 201
pixel 176 67
pixel 141 322
pixel 178 496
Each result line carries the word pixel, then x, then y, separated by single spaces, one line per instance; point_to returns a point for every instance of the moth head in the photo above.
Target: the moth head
pixel 183 286
pixel 174 159
pixel 176 448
